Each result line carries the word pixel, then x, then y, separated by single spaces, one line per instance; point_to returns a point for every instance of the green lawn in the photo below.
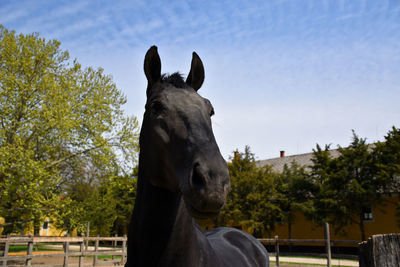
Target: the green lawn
pixel 36 247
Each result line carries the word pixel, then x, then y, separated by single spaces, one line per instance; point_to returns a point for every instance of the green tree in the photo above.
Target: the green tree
pixel 387 158
pixel 123 190
pixel 347 186
pixel 51 112
pixel 294 193
pixel 250 202
pixel 322 168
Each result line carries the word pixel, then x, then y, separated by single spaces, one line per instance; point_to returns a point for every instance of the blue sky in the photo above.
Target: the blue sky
pixel 282 75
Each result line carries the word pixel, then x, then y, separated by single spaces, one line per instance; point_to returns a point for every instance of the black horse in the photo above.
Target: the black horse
pixel 182 175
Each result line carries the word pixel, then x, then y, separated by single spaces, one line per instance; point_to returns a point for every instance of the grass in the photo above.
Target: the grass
pixel 17 248
pixel 288 263
pixel 36 247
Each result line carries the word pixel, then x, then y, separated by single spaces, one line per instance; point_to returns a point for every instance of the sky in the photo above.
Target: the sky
pixel 282 75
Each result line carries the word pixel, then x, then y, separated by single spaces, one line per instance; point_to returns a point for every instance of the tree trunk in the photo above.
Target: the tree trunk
pixel 361 224
pixel 290 233
pixel 36 227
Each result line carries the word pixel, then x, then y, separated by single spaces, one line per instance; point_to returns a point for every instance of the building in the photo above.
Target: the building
pixel 47 228
pixel 378 220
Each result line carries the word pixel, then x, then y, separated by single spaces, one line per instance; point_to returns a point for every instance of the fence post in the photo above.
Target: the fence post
pixel 328 244
pixel 29 251
pixel 276 251
pixel 114 245
pixel 87 234
pixel 96 248
pixel 123 251
pixel 380 251
pixel 6 246
pixel 81 248
pixel 66 251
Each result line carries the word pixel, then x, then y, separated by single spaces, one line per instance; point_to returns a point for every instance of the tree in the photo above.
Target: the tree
pixel 250 202
pixel 123 190
pixel 294 193
pixel 387 158
pixel 51 113
pixel 347 185
pixel 322 168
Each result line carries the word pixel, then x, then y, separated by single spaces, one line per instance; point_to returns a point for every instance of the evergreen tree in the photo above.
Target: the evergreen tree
pixel 294 190
pixel 387 159
pixel 251 200
pixel 347 186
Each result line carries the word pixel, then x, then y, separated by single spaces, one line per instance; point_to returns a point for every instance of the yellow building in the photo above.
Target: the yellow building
pixel 2 221
pixel 47 228
pixel 379 220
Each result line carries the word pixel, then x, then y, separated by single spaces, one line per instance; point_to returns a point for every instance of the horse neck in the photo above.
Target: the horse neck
pixel 160 227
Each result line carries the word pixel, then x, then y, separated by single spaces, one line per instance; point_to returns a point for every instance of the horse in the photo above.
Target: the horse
pixel 182 176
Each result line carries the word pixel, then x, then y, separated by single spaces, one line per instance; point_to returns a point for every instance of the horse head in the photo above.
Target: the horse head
pixel 177 141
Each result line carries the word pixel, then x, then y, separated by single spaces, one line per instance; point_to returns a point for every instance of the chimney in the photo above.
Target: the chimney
pixel 282 153
pixel 236 155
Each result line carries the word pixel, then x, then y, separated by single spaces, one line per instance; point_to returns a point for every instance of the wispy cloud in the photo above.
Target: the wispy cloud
pixel 313 68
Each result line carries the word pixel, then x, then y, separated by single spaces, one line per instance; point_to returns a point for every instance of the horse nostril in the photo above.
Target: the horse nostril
pixel 198 180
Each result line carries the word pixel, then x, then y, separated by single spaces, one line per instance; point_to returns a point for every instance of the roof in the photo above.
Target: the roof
pixel 277 164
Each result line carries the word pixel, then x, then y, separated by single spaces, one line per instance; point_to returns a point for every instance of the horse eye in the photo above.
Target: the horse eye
pixel 157 107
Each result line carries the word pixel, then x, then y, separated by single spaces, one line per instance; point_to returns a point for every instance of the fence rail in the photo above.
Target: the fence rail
pixel 314 241
pixel 66 252
pixel 328 243
pixel 115 251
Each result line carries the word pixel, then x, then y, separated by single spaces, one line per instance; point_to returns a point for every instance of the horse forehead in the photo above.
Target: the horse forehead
pixel 183 98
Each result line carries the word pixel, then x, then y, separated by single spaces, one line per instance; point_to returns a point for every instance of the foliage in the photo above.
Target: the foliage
pixel 250 202
pixel 56 119
pixel 347 185
pixel 336 188
pixel 387 157
pixel 123 190
pixel 294 193
pixel 107 206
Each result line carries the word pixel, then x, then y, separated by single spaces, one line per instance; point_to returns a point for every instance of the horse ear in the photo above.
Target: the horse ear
pixel 152 66
pixel 196 75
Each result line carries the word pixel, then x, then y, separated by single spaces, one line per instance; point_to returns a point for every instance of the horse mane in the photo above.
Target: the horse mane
pixel 176 79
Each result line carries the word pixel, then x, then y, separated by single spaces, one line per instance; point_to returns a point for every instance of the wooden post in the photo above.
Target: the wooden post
pixel 380 251
pixel 276 251
pixel 328 245
pixel 29 252
pixel 114 246
pixel 96 248
pixel 6 247
pixel 123 251
pixel 81 248
pixel 66 251
pixel 87 234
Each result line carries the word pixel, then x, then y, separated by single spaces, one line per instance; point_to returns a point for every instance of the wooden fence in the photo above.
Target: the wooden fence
pixel 67 252
pixel 121 250
pixel 328 243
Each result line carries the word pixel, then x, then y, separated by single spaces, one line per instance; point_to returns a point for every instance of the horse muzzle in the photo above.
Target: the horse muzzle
pixel 206 192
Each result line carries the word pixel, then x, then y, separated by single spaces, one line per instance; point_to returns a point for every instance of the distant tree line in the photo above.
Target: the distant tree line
pixel 337 190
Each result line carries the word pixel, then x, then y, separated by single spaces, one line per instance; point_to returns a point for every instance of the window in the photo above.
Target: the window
pixel 367 214
pixel 45 225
